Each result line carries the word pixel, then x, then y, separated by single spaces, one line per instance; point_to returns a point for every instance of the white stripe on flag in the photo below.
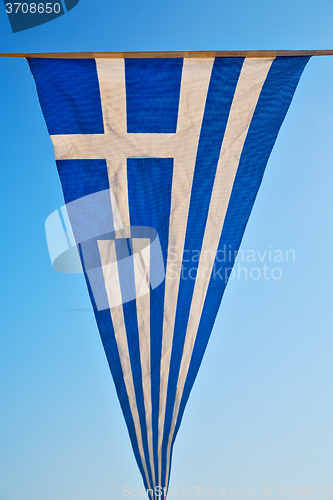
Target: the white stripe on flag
pixel 111 76
pixel 194 88
pixel 143 315
pixel 108 253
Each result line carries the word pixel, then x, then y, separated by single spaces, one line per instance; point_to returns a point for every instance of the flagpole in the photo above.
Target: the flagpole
pixel 180 54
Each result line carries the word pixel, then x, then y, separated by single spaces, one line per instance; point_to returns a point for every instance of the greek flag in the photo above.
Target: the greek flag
pixel 160 161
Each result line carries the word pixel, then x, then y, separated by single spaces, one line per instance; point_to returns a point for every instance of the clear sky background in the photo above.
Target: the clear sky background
pixel 261 411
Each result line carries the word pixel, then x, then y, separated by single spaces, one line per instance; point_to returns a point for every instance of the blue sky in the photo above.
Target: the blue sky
pixel 261 411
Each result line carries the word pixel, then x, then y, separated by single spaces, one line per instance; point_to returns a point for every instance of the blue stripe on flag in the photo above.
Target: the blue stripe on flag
pixel 152 94
pixel 106 330
pixel 273 104
pixel 68 92
pixel 127 285
pixel 132 333
pixel 224 78
pixel 149 195
pixel 82 177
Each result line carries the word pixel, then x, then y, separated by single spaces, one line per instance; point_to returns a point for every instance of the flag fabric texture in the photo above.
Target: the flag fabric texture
pixel 182 145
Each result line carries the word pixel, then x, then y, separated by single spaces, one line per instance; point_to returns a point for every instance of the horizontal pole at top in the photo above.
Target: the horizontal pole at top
pixel 181 54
